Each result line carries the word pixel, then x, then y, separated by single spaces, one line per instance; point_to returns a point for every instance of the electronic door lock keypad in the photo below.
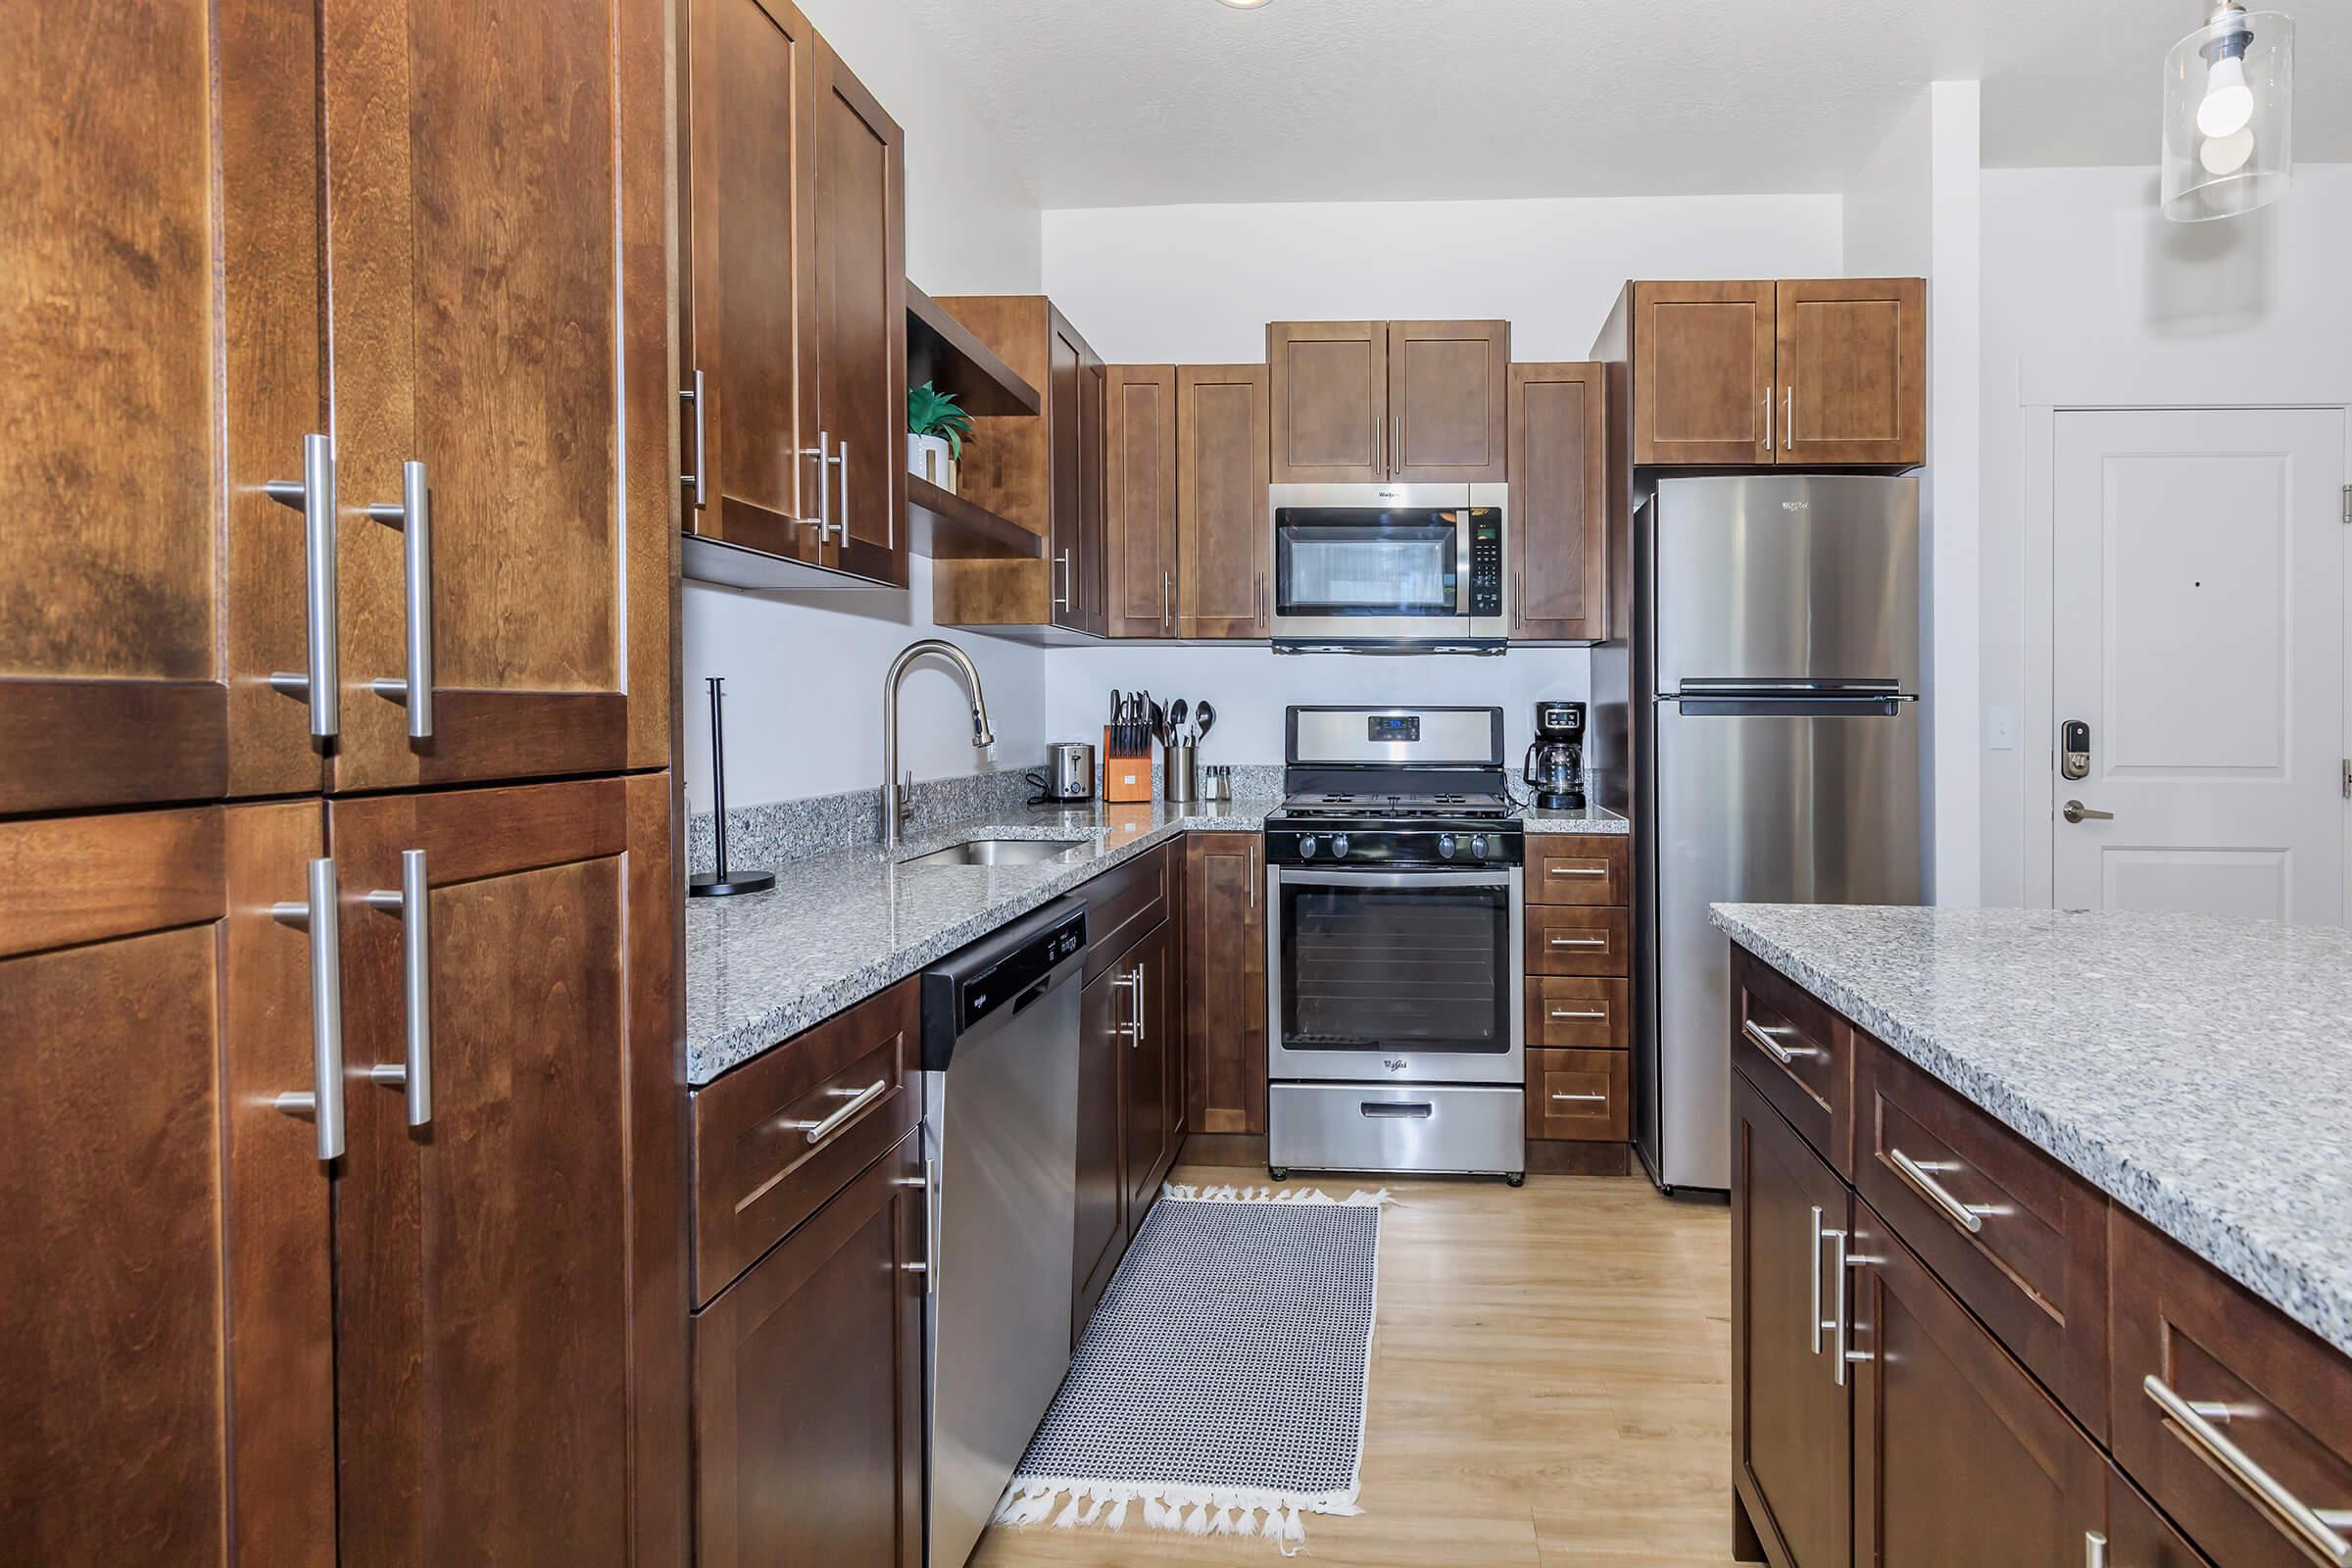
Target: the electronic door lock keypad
pixel 2074 750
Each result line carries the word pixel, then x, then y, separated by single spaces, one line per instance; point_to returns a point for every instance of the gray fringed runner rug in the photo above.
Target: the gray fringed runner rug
pixel 1220 1386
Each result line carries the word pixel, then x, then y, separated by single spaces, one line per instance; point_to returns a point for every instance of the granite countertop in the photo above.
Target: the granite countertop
pixel 1589 818
pixel 2196 1070
pixel 841 927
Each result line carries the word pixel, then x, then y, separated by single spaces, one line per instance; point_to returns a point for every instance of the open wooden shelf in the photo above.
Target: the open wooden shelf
pixel 943 350
pixel 946 526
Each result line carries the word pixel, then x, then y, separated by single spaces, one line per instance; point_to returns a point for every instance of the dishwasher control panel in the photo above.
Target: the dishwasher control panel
pixel 1000 971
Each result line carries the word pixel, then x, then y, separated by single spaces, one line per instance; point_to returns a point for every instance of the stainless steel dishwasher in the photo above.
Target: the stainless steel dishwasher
pixel 1001 1113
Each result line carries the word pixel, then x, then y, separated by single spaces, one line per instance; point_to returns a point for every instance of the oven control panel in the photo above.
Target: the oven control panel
pixel 1434 847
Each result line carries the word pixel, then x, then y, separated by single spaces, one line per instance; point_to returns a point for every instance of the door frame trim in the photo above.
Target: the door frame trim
pixel 2141 383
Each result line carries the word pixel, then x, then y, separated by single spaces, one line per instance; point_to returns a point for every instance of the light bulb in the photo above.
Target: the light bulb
pixel 2227 155
pixel 2229 106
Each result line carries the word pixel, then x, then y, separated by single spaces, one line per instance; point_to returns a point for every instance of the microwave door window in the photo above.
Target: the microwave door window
pixel 1368 569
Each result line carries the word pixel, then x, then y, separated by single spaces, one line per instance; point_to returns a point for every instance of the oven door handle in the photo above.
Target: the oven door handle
pixel 1292 876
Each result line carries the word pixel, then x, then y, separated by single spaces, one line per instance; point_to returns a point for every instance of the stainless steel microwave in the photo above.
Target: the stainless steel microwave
pixel 1389 567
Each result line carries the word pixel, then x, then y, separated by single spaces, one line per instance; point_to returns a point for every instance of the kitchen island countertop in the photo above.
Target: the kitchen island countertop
pixel 839 927
pixel 2197 1070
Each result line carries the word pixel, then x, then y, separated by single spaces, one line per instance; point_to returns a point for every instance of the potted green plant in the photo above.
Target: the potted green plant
pixel 936 431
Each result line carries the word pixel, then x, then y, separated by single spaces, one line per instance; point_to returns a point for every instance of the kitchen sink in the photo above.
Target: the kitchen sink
pixel 998 852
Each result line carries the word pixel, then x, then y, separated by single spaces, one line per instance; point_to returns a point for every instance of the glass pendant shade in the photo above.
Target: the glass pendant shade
pixel 2229 114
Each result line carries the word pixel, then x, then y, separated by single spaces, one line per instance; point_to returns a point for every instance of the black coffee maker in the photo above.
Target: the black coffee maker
pixel 1555 763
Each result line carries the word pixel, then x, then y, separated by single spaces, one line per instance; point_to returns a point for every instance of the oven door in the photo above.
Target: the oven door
pixel 1367 563
pixel 1394 976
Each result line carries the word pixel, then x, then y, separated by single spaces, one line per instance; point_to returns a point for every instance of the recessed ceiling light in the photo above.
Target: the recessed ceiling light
pixel 1244 5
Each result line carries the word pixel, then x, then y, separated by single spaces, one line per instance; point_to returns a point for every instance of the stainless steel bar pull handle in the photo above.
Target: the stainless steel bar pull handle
pixel 412 901
pixel 2094 1550
pixel 412 516
pixel 319 915
pixel 1594 1100
pixel 1061 572
pixel 1838 1324
pixel 1785 1055
pixel 1814 1315
pixel 822 452
pixel 1576 870
pixel 1767 418
pixel 2318 1530
pixel 841 524
pixel 858 1099
pixel 694 481
pixel 1580 941
pixel 1969 1217
pixel 313 496
pixel 929 1266
pixel 1588 1014
pixel 1132 982
pixel 1789 419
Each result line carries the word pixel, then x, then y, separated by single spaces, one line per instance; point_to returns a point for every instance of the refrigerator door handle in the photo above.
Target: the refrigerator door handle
pixel 1856 704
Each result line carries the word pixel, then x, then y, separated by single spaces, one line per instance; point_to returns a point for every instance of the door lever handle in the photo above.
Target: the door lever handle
pixel 2077 811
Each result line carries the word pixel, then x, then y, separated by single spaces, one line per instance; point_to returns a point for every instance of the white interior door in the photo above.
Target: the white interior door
pixel 2199 598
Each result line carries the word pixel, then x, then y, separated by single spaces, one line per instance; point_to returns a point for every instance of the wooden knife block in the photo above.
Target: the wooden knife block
pixel 1126 779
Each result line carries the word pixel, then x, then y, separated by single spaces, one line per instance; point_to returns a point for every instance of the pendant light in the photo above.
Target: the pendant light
pixel 2229 114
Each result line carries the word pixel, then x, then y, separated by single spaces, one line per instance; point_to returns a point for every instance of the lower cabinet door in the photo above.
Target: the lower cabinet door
pixel 1151 1050
pixel 151 1013
pixel 1101 1229
pixel 1960 1458
pixel 808 1387
pixel 1792 1411
pixel 510 1267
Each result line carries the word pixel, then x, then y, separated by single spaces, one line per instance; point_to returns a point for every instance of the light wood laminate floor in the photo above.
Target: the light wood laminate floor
pixel 1550 1386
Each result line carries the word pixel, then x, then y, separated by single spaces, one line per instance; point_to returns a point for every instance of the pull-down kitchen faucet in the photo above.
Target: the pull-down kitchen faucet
pixel 896 807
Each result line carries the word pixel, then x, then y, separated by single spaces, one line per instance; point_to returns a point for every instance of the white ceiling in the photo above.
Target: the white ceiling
pixel 1133 102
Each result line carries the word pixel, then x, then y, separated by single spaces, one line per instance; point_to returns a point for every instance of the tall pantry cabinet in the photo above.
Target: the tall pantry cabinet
pixel 339 1102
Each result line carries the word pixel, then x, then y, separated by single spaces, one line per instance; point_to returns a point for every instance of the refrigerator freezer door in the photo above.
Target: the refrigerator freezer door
pixel 1788 578
pixel 1789 809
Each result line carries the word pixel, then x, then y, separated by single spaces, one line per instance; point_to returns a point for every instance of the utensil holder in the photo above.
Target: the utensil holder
pixel 1178 763
pixel 1126 776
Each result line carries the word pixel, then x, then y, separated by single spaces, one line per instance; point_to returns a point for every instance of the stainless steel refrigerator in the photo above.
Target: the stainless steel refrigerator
pixel 1776 738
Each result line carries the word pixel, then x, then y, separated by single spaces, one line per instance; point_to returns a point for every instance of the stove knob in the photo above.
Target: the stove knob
pixel 1444 845
pixel 1478 846
pixel 1339 845
pixel 1306 848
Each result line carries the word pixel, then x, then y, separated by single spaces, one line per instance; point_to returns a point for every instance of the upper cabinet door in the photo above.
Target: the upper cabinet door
pixel 534 1200
pixel 153 1011
pixel 747 273
pixel 1139 533
pixel 1221 521
pixel 1089 592
pixel 1853 366
pixel 163 335
pixel 1330 387
pixel 1560 471
pixel 1446 384
pixel 498 249
pixel 1703 390
pixel 1065 397
pixel 861 321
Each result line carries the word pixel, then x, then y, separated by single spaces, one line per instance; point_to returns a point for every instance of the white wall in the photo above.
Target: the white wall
pixel 2083 277
pixel 1912 210
pixel 803 675
pixel 1199 284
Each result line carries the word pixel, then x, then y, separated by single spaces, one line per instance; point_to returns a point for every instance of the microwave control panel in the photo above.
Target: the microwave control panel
pixel 1486 561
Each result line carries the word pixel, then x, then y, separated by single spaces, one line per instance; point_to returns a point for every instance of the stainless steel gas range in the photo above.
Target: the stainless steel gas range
pixel 1395 957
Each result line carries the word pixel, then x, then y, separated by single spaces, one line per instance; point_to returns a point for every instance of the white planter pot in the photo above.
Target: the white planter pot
pixel 931 456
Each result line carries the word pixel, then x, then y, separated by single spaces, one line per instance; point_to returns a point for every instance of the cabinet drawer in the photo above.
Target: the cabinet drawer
pixel 2137 1536
pixel 1565 940
pixel 1577 1094
pixel 2020 1239
pixel 1576 1012
pixel 2243 1480
pixel 1583 868
pixel 1797 1053
pixel 1122 906
pixel 776 1138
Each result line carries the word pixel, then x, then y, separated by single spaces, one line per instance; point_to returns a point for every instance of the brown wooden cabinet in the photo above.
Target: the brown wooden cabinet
pixel 539 1202
pixel 1225 983
pixel 1559 542
pixel 1041 472
pixel 1791 1414
pixel 1101 1210
pixel 1804 372
pixel 808 1387
pixel 1222 528
pixel 1139 525
pixel 523 362
pixel 1152 1076
pixel 170 1396
pixel 165 334
pixel 1358 401
pixel 792 311
pixel 1958 1454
